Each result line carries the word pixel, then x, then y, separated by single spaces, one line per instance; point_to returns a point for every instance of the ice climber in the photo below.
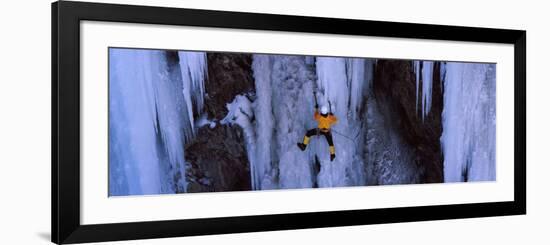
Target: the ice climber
pixel 324 121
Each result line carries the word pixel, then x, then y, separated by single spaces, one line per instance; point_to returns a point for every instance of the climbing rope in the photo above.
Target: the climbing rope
pixel 352 140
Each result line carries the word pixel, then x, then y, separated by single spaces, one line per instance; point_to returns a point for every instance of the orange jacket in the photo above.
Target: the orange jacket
pixel 324 123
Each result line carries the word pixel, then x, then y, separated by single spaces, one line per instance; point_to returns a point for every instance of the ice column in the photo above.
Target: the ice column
pixel 469 128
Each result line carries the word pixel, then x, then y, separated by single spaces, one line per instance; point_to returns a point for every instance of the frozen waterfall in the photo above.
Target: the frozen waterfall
pixel 468 139
pixel 151 119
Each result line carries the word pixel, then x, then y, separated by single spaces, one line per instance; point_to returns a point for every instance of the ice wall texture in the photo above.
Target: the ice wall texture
pixel 469 122
pixel 286 87
pixel 469 117
pixel 193 73
pixel 343 82
pixel 282 109
pixel 151 118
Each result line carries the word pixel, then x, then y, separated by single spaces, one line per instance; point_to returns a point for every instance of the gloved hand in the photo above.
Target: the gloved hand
pixel 332 156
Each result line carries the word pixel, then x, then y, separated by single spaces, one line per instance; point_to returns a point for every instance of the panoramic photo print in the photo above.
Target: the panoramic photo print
pixel 190 121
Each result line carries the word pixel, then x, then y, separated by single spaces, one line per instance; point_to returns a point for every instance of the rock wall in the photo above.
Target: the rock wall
pixel 397 90
pixel 217 158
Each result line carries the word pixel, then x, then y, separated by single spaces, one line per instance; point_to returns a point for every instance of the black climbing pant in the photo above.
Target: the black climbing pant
pixel 317 131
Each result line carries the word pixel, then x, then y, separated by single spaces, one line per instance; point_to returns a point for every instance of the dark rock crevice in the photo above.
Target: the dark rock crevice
pixel 217 157
pixel 229 74
pixel 395 85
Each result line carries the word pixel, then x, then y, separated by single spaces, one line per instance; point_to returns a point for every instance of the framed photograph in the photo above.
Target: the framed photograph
pixel 176 122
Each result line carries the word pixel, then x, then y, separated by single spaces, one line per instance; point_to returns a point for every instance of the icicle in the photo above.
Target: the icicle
pixel 427 82
pixel 151 120
pixel 146 126
pixel 193 72
pixel 175 127
pixel 359 82
pixel 416 66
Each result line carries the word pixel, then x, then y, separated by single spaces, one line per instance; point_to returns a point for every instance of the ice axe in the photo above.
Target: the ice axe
pixel 316 105
pixel 315 98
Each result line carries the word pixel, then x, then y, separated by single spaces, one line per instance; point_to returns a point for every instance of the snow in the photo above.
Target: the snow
pixel 204 121
pixel 240 112
pixel 469 125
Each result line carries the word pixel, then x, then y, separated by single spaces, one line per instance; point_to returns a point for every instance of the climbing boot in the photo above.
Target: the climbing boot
pixel 302 146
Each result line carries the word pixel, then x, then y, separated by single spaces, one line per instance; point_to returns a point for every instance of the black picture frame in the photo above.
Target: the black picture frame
pixel 65 162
